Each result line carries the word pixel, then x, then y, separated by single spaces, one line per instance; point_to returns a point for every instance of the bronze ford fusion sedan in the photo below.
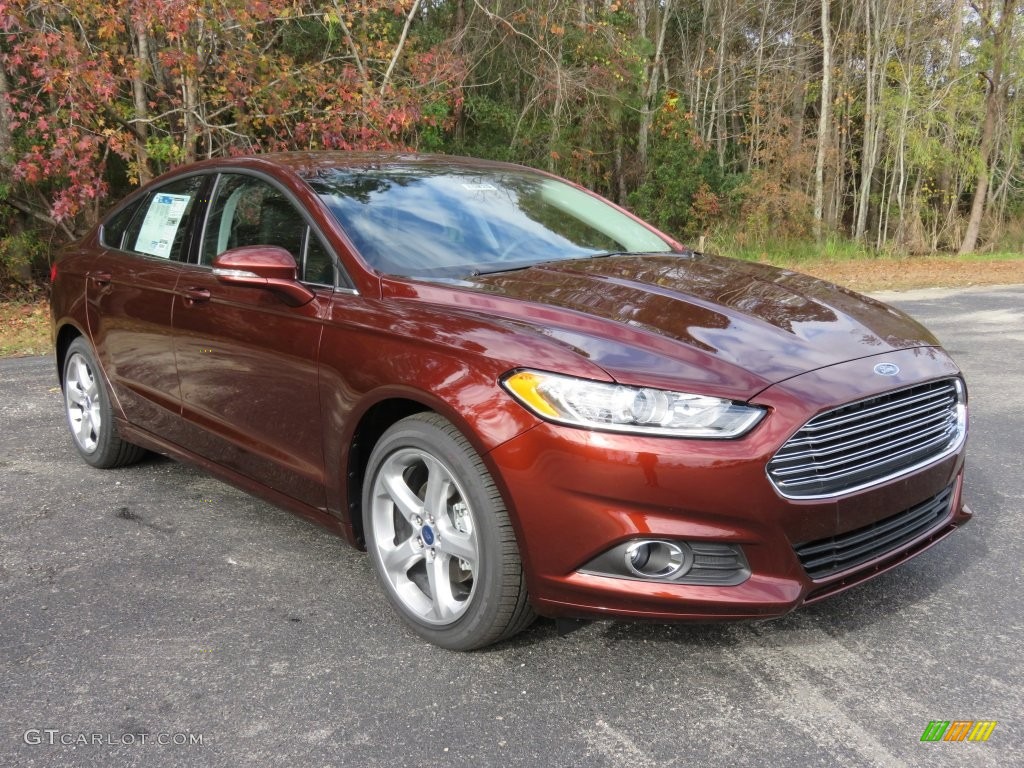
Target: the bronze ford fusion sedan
pixel 520 398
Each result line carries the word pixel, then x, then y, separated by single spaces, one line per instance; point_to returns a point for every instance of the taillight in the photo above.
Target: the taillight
pixel 53 273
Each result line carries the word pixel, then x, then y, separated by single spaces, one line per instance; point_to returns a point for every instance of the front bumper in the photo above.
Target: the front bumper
pixel 576 493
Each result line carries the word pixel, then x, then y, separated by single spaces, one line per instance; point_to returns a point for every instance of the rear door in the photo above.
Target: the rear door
pixel 247 361
pixel 130 293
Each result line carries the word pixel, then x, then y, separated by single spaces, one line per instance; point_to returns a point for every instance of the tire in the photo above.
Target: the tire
pixel 89 415
pixel 440 538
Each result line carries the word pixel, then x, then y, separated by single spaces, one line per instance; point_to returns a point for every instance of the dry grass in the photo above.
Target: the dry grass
pixel 24 328
pixel 901 274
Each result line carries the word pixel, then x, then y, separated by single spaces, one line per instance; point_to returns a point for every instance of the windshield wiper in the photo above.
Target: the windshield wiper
pixel 499 270
pixel 520 267
pixel 511 268
pixel 606 254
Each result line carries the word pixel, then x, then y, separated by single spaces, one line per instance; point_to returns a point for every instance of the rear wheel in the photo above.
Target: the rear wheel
pixel 89 415
pixel 440 538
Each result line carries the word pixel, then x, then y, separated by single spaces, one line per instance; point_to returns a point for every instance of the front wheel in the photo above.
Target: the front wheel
pixel 89 415
pixel 440 538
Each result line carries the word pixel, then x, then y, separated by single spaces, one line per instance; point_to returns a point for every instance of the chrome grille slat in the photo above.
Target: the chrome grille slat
pixel 827 422
pixel 835 554
pixel 931 410
pixel 938 430
pixel 790 484
pixel 869 441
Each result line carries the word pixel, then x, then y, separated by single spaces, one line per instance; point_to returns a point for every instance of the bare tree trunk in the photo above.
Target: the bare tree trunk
pixel 141 122
pixel 823 120
pixel 872 123
pixel 883 218
pixel 697 85
pixel 620 177
pixel 651 90
pixel 556 116
pixel 190 105
pixel 947 195
pixel 460 37
pixel 720 91
pixel 398 48
pixel 715 122
pixel 902 172
pixel 353 49
pixel 993 99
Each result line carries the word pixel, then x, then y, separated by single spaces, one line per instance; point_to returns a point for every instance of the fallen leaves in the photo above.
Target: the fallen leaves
pixel 24 328
pixel 898 274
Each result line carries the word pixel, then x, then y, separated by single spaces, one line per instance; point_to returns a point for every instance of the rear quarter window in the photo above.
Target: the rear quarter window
pixel 158 224
pixel 114 229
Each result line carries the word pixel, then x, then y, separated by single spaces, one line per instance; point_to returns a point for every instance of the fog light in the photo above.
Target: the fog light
pixel 671 561
pixel 652 559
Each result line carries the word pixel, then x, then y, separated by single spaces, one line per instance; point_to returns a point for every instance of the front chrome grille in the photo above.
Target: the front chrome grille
pixel 840 553
pixel 867 442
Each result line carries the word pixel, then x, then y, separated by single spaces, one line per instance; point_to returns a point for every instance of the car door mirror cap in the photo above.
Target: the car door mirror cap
pixel 263 266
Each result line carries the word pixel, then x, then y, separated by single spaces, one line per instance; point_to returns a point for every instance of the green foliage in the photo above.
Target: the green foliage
pixel 307 38
pixel 490 126
pixel 737 243
pixel 23 258
pixel 164 151
pixel 681 193
pixel 432 136
pixel 555 85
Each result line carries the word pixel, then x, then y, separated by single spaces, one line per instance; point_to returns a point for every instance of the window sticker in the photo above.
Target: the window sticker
pixel 161 224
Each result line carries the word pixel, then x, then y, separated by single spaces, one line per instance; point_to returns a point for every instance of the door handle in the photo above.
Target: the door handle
pixel 194 295
pixel 100 277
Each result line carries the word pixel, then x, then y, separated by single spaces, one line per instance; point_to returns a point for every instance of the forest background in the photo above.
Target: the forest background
pixel 755 127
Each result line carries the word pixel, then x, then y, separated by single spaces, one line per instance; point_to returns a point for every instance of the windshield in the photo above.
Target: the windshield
pixel 427 221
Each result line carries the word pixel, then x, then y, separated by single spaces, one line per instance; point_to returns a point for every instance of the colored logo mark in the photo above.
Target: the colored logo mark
pixel 958 730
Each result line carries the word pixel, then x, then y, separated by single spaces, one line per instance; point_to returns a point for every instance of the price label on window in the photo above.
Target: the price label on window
pixel 161 224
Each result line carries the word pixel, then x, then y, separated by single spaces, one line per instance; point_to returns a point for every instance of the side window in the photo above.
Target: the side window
pixel 114 229
pixel 160 227
pixel 249 211
pixel 319 266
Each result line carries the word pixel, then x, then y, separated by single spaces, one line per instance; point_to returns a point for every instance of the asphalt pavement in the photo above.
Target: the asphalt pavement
pixel 153 616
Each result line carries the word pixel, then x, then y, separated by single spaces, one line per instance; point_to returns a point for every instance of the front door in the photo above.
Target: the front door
pixel 247 361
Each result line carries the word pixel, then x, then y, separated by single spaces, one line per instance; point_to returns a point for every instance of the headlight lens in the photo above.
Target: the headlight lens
pixel 640 410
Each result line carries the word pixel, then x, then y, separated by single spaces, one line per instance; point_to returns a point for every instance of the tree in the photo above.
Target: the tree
pixel 999 26
pixel 113 93
pixel 823 119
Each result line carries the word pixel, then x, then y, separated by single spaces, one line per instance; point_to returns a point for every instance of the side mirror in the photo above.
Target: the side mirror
pixel 263 266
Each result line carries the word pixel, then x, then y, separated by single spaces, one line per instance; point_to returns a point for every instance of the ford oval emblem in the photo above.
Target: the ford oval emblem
pixel 887 369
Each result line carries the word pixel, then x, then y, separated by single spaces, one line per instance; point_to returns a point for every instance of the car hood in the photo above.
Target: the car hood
pixel 664 320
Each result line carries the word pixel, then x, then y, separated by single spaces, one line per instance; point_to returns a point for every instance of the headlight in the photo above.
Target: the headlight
pixel 640 410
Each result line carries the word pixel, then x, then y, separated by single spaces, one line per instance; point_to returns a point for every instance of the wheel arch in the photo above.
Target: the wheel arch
pixel 66 334
pixel 373 423
pixel 391 406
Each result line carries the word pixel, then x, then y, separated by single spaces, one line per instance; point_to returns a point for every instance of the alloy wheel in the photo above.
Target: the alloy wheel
pixel 424 532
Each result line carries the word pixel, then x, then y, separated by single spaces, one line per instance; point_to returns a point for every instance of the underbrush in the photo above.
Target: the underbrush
pixel 24 327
